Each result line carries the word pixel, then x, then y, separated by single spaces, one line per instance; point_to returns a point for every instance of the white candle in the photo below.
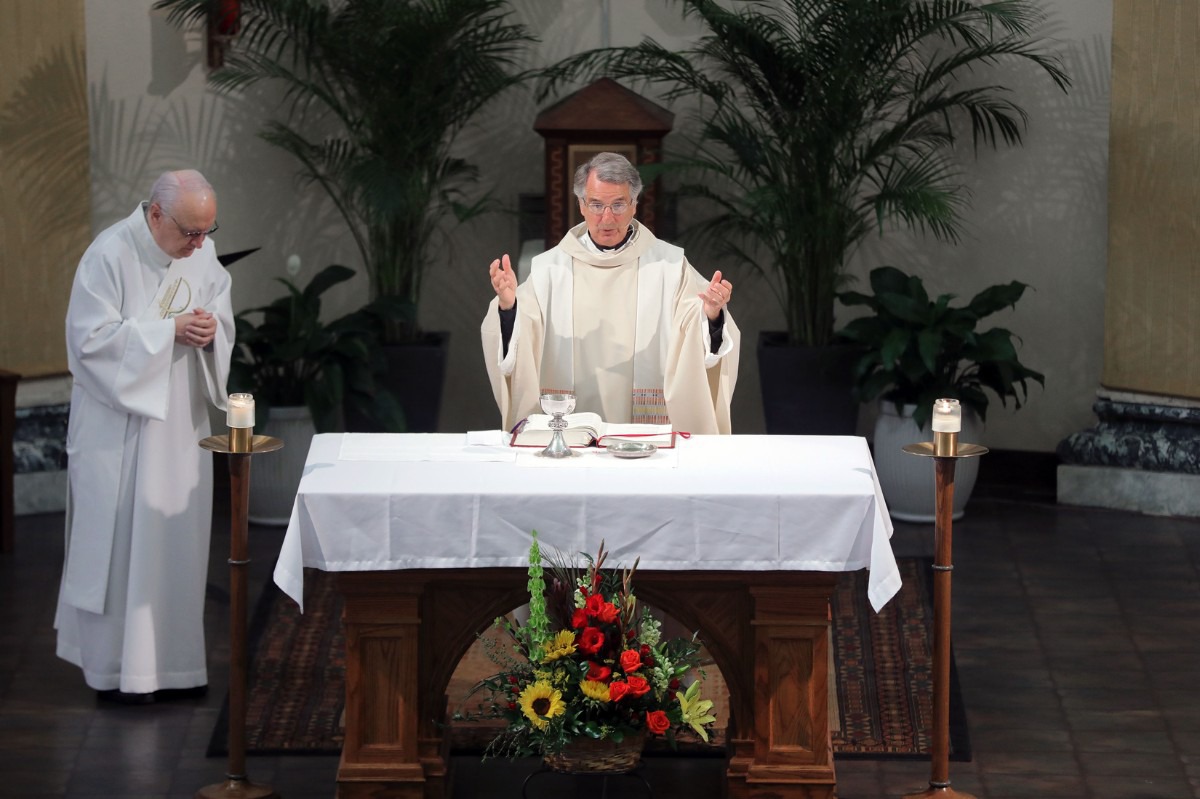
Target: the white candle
pixel 241 411
pixel 947 416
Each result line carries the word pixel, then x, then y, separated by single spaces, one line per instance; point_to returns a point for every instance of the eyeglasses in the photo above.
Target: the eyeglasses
pixel 193 234
pixel 598 208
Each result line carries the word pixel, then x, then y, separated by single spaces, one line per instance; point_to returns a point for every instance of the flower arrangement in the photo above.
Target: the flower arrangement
pixel 590 664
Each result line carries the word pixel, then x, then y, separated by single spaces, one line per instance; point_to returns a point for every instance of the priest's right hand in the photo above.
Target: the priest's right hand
pixel 504 281
pixel 195 329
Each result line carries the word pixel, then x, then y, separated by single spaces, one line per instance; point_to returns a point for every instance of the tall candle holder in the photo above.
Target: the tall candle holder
pixel 240 444
pixel 945 449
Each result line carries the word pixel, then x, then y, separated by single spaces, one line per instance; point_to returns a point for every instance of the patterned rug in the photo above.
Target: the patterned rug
pixel 883 667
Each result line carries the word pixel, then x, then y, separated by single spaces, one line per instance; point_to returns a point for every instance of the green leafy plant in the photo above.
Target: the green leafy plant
pixel 376 93
pixel 286 356
pixel 822 120
pixel 917 349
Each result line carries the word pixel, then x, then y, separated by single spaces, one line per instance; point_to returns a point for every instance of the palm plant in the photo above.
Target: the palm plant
pixel 376 93
pixel 822 120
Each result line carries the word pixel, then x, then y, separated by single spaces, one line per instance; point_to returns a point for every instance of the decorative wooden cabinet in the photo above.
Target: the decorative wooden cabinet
pixel 601 117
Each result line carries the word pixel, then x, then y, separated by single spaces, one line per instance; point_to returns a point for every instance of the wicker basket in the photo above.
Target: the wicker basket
pixel 591 756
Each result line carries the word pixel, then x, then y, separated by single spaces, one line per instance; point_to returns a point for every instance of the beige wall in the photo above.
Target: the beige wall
pixel 44 201
pixel 1152 313
pixel 1039 211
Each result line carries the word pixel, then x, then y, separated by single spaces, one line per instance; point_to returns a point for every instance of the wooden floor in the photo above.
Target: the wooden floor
pixel 1076 634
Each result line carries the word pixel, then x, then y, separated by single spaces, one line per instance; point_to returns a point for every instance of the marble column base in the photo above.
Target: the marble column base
pixel 40 492
pixel 1143 454
pixel 1152 493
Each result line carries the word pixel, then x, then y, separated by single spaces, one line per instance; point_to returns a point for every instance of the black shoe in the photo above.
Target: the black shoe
pixel 122 698
pixel 167 694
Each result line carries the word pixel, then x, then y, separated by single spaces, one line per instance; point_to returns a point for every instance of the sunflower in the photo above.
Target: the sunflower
pixel 594 689
pixel 560 646
pixel 540 703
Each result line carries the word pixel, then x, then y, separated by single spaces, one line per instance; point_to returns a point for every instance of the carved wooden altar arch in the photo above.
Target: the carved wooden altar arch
pixel 603 116
pixel 767 633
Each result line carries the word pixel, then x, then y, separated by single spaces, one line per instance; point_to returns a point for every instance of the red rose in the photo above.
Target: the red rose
pixel 631 661
pixel 645 650
pixel 617 689
pixel 579 618
pixel 512 705
pixel 594 603
pixel 638 686
pixel 608 613
pixel 657 722
pixel 673 685
pixel 598 672
pixel 590 641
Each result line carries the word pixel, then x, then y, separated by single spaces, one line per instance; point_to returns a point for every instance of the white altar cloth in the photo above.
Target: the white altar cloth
pixel 741 503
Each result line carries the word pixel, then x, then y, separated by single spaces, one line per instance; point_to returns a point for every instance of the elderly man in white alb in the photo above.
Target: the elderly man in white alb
pixel 149 334
pixel 615 316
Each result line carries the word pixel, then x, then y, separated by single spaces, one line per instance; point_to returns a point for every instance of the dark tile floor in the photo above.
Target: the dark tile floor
pixel 1076 634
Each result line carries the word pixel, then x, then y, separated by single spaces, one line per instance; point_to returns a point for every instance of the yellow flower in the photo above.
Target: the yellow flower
pixel 695 710
pixel 540 703
pixel 594 689
pixel 560 646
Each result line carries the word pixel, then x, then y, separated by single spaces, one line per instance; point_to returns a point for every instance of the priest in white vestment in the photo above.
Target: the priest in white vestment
pixel 615 316
pixel 149 333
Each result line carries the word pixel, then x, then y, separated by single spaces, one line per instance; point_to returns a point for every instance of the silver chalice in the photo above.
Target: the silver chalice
pixel 557 406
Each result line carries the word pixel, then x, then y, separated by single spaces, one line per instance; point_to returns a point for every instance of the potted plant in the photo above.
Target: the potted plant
pixel 589 677
pixel 916 350
pixel 376 93
pixel 820 121
pixel 305 374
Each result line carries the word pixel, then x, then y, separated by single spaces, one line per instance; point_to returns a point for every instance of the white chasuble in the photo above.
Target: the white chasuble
pixel 624 330
pixel 139 505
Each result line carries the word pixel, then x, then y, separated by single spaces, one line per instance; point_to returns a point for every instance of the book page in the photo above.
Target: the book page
pixel 582 429
pixel 659 434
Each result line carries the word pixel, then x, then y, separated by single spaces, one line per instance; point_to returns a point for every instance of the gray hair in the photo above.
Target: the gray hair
pixel 609 168
pixel 170 186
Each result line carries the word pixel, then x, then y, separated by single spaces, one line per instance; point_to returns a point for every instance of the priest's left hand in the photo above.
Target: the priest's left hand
pixel 195 329
pixel 716 295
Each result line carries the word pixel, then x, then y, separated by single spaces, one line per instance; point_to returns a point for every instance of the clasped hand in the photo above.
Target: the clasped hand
pixel 195 329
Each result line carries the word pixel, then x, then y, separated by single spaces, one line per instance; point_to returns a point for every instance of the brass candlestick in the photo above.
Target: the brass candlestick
pixel 239 445
pixel 241 439
pixel 945 451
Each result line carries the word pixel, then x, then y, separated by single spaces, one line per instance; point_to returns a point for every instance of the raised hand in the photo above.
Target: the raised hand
pixel 504 281
pixel 716 295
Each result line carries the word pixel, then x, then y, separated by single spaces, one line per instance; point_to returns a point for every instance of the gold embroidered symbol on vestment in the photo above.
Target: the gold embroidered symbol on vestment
pixel 178 288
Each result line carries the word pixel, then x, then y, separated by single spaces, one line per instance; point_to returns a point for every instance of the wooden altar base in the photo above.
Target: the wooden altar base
pixel 768 633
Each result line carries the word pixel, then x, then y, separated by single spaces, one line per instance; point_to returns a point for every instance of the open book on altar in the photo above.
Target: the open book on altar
pixel 586 429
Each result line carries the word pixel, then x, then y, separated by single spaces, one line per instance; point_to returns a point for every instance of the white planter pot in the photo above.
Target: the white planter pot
pixel 908 480
pixel 275 477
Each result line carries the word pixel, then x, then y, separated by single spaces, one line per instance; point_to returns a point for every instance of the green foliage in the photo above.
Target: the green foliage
pixel 918 349
pixel 822 120
pixel 376 93
pixel 289 357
